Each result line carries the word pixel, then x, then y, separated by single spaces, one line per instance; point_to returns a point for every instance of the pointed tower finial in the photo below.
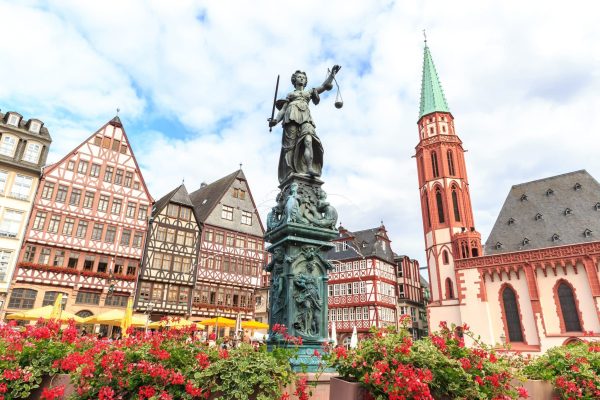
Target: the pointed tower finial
pixel 241 165
pixel 425 36
pixel 432 95
pixel 118 109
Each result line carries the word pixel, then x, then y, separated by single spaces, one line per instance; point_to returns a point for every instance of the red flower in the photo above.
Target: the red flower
pixel 340 352
pixel 106 393
pixel 203 360
pixel 3 387
pixel 223 353
pixel 285 396
pixel 466 364
pixel 316 353
pixel 523 392
pixel 192 390
pixel 54 393
pixel 146 392
pixel 161 354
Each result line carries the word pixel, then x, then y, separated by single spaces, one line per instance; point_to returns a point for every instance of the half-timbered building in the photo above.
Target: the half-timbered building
pixel 168 273
pixel 24 147
pixel 86 232
pixel 362 283
pixel 412 294
pixel 231 251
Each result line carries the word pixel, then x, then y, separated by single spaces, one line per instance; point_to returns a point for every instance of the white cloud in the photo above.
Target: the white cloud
pixel 521 79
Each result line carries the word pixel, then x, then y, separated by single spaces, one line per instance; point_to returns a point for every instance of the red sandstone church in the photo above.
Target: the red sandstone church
pixel 535 284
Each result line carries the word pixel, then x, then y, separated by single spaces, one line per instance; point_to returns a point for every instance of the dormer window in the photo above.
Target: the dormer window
pixel 577 186
pixel 555 237
pixel 587 233
pixel 34 126
pixel 344 245
pixel 568 211
pixel 498 245
pixel 549 192
pixel 523 197
pixel 525 242
pixel 13 119
pixel 597 206
pixel 538 216
pixel 511 221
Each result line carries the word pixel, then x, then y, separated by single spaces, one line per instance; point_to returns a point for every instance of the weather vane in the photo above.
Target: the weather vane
pixel 425 35
pixel 118 109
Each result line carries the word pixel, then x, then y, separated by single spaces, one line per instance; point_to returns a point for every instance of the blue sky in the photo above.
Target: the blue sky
pixel 194 81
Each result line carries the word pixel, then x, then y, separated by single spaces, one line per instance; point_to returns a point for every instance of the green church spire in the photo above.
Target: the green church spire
pixel 432 95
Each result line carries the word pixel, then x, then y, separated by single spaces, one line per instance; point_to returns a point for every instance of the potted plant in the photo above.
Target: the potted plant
pixel 573 370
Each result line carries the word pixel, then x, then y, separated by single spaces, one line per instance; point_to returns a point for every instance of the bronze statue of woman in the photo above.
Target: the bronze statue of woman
pixel 301 149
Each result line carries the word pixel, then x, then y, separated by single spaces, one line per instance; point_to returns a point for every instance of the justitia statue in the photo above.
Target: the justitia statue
pixel 301 149
pixel 300 228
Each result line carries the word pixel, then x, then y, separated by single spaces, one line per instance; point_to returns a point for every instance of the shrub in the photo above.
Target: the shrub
pixel 574 369
pixel 440 366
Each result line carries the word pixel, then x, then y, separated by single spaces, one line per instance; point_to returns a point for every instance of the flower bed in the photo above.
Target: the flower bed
pixel 155 365
pixel 392 366
pixel 574 370
pixel 175 365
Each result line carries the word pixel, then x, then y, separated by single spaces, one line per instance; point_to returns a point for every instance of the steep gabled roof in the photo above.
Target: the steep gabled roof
pixel 555 211
pixel 372 242
pixel 432 95
pixel 207 197
pixel 178 195
pixel 116 122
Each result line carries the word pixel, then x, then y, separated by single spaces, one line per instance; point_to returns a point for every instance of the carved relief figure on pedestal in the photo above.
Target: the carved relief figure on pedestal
pixel 278 294
pixel 308 302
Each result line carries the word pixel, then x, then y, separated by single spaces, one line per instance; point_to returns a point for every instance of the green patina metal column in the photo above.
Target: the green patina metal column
pixel 300 228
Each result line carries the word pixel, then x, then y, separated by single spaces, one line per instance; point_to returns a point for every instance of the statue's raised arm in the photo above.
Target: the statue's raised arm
pixel 328 83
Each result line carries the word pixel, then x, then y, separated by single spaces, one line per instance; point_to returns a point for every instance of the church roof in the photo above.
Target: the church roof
pixel 432 95
pixel 178 195
pixel 372 242
pixel 555 211
pixel 207 197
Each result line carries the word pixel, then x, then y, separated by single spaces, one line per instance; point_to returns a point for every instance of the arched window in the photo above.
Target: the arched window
pixel 464 250
pixel 426 201
pixel 22 298
pixel 455 204
pixel 445 258
pixel 570 315
pixel 434 164
pixel 449 289
pixel 511 312
pixel 84 313
pixel 422 169
pixel 450 163
pixel 440 205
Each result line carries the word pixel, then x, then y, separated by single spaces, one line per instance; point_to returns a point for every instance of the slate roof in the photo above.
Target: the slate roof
pixel 368 243
pixel 23 125
pixel 207 197
pixel 178 195
pixel 554 211
pixel 432 95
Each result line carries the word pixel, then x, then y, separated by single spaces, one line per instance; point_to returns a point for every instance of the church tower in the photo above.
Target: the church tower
pixel 445 201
